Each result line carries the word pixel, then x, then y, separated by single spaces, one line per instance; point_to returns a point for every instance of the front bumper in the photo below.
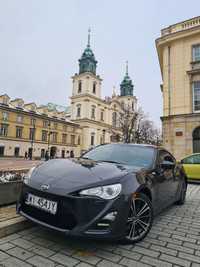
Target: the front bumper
pixel 79 216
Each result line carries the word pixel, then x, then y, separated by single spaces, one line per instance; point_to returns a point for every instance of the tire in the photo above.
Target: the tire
pixel 139 220
pixel 182 197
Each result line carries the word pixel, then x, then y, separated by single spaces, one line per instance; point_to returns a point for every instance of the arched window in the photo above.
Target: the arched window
pixel 94 88
pixel 196 140
pixel 78 114
pixel 114 119
pixel 79 86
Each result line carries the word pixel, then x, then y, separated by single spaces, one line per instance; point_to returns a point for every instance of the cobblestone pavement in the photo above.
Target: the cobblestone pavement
pixel 173 241
pixel 7 213
pixel 14 163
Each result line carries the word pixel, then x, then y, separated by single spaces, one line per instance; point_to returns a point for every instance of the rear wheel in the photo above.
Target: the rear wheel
pixel 140 218
pixel 181 200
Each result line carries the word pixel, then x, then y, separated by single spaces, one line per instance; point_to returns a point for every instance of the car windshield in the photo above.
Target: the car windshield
pixel 133 155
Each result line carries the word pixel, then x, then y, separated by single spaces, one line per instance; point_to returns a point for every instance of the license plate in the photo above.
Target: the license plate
pixel 42 203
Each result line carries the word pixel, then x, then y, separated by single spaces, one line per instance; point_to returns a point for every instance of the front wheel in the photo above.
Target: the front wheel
pixel 140 219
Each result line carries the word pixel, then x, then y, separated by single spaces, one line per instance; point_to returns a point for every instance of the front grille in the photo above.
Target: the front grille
pixel 63 219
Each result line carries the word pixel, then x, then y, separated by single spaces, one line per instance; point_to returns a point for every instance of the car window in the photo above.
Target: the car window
pixel 194 159
pixel 165 156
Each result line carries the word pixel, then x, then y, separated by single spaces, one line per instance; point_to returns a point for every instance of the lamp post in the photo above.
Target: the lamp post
pixel 49 134
pixel 32 139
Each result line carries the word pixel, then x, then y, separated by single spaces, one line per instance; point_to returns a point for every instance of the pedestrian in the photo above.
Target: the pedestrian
pixel 26 155
pixel 47 155
pixel 71 154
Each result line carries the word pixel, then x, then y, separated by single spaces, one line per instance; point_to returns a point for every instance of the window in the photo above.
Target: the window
pixel 19 131
pixel 46 124
pixel 94 88
pixel 64 138
pixel 196 96
pixel 4 129
pixel 72 139
pixel 194 159
pixel 93 112
pixel 54 137
pixel 44 135
pixel 19 118
pixel 102 115
pixel 79 86
pixel 5 101
pixel 32 134
pixel 79 140
pixel 78 111
pixel 165 156
pixel 196 53
pixel 55 125
pixel 5 116
pixel 114 119
pixel 65 128
pixel 33 122
pixel 92 139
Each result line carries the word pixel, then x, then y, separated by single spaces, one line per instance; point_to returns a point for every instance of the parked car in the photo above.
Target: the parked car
pixel 113 191
pixel 191 165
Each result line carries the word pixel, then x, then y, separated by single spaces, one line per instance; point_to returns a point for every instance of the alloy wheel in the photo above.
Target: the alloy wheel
pixel 139 220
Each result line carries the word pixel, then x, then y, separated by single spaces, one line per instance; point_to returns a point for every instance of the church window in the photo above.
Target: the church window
pixel 114 119
pixel 93 112
pixel 79 86
pixel 94 88
pixel 78 111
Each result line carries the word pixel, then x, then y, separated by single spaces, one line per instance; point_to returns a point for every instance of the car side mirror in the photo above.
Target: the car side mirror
pixel 167 165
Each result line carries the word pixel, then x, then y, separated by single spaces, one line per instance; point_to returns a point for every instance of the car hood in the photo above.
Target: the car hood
pixel 64 176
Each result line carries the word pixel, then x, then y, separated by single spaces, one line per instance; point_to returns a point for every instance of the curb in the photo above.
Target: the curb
pixel 13 225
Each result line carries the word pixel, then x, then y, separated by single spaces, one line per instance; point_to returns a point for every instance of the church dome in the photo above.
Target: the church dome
pixel 126 86
pixel 87 62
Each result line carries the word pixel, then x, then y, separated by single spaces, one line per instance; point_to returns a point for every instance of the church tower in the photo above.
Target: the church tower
pixel 126 98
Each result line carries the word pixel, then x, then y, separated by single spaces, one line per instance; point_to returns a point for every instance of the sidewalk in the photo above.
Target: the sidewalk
pixel 10 222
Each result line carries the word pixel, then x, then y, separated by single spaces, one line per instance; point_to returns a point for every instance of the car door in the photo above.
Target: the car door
pixel 191 166
pixel 167 183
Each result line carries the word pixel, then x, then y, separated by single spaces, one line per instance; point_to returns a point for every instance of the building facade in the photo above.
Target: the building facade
pixel 26 128
pixel 90 120
pixel 178 50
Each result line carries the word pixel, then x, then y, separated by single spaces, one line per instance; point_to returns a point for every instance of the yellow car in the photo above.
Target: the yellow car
pixel 191 165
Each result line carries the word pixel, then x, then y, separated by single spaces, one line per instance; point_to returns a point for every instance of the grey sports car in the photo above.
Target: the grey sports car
pixel 113 191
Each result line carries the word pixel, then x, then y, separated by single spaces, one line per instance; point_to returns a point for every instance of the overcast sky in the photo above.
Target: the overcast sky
pixel 42 40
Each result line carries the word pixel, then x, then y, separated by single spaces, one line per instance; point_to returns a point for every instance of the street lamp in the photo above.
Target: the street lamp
pixel 49 134
pixel 32 139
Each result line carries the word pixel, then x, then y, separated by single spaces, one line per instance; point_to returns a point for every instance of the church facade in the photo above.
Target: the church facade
pixel 98 117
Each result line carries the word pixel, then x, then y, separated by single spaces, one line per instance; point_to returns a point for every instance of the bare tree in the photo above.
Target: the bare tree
pixel 136 127
pixel 127 123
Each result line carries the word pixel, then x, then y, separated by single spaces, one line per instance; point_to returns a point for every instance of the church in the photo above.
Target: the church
pixel 97 116
pixel 90 120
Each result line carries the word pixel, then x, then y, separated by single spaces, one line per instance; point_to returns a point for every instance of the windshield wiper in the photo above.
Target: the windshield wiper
pixel 110 161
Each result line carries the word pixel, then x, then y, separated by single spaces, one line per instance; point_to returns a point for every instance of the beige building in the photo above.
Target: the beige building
pixel 179 56
pixel 90 120
pixel 28 128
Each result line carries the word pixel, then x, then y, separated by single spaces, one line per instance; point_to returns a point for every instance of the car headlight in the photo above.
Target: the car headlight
pixel 28 175
pixel 105 192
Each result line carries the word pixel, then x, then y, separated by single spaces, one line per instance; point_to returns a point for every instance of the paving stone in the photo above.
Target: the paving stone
pixel 164 250
pixel 175 260
pixel 41 262
pixel 3 256
pixel 20 253
pixel 20 242
pixel 13 262
pixel 155 262
pixel 180 248
pixel 145 251
pixel 64 259
pixel 6 246
pixel 82 264
pixel 129 254
pixel 87 257
pixel 190 257
pixel 108 256
pixel 131 263
pixel 36 249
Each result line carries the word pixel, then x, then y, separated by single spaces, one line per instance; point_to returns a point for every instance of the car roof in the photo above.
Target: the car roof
pixel 135 144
